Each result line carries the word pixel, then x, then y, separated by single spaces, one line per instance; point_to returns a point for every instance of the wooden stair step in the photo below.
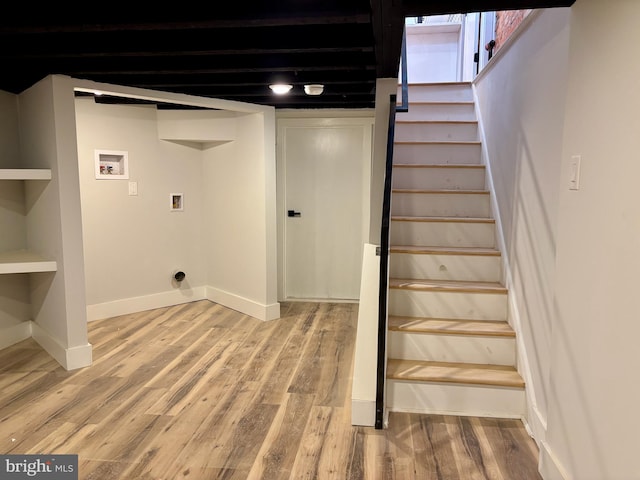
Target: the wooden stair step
pixel 445 326
pixel 443 191
pixel 440 142
pixel 427 122
pixel 440 102
pixel 426 250
pixel 400 218
pixel 460 373
pixel 425 285
pixel 438 165
pixel 437 84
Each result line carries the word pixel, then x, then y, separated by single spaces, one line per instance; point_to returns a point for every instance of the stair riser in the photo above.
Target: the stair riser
pixel 437 153
pixel 441 205
pixel 434 111
pixel 453 399
pixel 452 348
pixel 439 178
pixel 480 268
pixel 443 234
pixel 438 93
pixel 453 305
pixel 425 132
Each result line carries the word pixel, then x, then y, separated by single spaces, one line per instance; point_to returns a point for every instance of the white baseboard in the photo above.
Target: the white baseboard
pixel 125 306
pixel 550 467
pixel 70 358
pixel 363 413
pixel 536 423
pixel 243 305
pixel 14 334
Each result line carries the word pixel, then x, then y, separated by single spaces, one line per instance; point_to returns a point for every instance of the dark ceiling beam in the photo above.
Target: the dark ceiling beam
pixel 169 26
pixel 388 21
pixel 188 53
pixel 215 71
pixel 244 84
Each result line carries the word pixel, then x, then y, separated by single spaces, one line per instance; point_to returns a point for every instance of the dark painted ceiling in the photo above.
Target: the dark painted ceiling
pixel 232 50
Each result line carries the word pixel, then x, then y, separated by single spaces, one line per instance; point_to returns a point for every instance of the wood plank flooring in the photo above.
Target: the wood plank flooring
pixel 198 391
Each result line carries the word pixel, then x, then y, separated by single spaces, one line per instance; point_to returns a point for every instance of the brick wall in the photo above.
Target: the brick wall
pixel 506 23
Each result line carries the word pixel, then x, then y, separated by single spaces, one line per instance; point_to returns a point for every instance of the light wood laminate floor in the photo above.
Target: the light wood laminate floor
pixel 198 391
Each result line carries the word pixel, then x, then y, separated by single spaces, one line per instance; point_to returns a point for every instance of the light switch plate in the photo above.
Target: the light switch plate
pixel 574 178
pixel 133 188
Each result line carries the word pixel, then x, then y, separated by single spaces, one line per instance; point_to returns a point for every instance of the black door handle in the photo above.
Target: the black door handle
pixel 293 213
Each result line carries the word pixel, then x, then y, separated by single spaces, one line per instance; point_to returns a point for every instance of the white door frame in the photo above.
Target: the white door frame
pixel 285 126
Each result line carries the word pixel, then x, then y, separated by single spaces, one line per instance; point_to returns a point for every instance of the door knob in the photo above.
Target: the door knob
pixel 293 213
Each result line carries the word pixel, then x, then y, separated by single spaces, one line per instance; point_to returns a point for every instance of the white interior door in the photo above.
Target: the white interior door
pixel 324 169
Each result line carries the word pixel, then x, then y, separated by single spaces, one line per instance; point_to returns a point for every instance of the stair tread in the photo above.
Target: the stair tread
pixel 442 191
pixel 438 165
pixel 464 122
pixel 438 142
pixel 439 102
pixel 404 218
pixel 426 250
pixel 446 285
pixel 491 328
pixel 437 84
pixel 450 372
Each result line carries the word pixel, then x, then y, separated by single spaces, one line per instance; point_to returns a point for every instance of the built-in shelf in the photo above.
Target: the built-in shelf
pixel 25 174
pixel 23 261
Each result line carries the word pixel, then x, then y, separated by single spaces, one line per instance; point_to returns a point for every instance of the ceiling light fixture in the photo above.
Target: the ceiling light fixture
pixel 314 89
pixel 280 88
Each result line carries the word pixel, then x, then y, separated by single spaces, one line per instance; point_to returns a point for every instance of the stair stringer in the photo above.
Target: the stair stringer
pixel 533 420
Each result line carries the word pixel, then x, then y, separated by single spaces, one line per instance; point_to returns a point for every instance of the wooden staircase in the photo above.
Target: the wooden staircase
pixel 451 349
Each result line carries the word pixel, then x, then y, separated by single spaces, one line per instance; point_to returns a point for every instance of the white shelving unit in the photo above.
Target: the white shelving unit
pixel 23 261
pixel 25 174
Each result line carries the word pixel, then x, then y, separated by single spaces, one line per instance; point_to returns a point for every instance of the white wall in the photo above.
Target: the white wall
pixel 12 208
pixel 518 98
pixel 227 234
pixel 134 244
pixel 432 53
pixel 593 423
pixel 14 299
pixel 239 209
pixel 9 139
pixel 568 86
pixel 54 226
pixel 385 87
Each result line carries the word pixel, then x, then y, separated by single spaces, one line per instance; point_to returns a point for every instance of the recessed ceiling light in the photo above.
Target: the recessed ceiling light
pixel 280 88
pixel 313 89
